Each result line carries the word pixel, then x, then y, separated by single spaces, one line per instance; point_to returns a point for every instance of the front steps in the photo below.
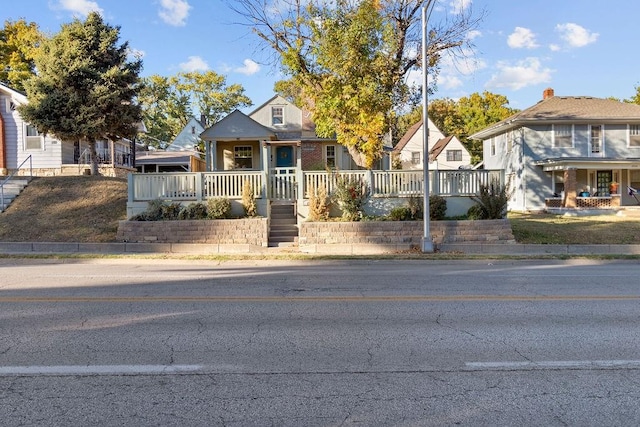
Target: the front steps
pixel 283 226
pixel 11 189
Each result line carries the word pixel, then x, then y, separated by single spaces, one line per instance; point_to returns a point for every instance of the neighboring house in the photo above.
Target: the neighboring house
pixel 277 134
pixel 181 155
pixel 49 155
pixel 565 152
pixel 444 152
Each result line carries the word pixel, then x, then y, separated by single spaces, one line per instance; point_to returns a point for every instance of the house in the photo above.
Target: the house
pixel 566 151
pixel 22 146
pixel 445 153
pixel 181 155
pixel 277 134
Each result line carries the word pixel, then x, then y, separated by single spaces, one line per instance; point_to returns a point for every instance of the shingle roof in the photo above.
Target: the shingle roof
pixel 439 146
pixel 558 109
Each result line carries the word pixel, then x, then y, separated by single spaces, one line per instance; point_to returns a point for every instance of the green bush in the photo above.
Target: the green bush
pixel 475 212
pixel 401 213
pixel 437 207
pixel 194 211
pixel 351 194
pixel 493 199
pixel 218 208
pixel 170 211
pixel 154 210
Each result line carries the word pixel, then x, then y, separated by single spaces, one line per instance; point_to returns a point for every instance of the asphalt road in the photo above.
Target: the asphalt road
pixel 188 343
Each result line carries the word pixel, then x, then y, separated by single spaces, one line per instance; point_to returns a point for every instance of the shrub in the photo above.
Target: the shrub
pixel 351 194
pixel 154 210
pixel 318 204
pixel 401 213
pixel 194 211
pixel 218 208
pixel 437 207
pixel 170 211
pixel 416 206
pixel 492 200
pixel 475 212
pixel 248 200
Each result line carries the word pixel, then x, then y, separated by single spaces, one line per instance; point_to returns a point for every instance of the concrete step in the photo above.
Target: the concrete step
pixel 10 190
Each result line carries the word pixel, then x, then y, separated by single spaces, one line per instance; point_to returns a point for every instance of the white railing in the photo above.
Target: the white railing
pixel 230 184
pixel 397 183
pixel 284 183
pixel 328 180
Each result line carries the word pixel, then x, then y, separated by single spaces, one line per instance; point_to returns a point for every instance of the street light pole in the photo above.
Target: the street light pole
pixel 427 244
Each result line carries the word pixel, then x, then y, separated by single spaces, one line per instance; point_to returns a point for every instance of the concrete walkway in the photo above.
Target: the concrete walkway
pixel 35 248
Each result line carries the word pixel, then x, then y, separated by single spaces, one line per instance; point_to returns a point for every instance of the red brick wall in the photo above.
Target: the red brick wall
pixel 312 155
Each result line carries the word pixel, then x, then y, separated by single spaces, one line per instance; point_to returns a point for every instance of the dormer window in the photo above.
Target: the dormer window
pixel 277 116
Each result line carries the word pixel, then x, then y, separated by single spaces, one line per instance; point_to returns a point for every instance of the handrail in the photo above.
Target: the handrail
pixel 2 206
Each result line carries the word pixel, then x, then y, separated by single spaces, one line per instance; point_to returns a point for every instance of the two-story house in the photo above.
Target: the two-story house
pixel 21 144
pixel 567 152
pixel 445 153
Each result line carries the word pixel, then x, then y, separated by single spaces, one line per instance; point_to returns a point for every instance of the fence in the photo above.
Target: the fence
pixel 285 183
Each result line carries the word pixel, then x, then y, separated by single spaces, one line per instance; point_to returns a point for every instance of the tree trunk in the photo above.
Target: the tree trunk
pixel 358 158
pixel 93 157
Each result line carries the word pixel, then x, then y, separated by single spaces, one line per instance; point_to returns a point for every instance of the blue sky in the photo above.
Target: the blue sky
pixel 577 47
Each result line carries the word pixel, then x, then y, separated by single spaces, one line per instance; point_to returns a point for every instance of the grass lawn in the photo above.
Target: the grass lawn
pixel 546 228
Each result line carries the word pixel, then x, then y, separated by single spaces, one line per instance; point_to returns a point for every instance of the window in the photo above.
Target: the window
pixel 193 130
pixel 277 116
pixel 493 146
pixel 596 139
pixel 634 135
pixel 510 137
pixel 563 136
pixel 33 140
pixel 330 156
pixel 243 157
pixel 415 158
pixel 454 155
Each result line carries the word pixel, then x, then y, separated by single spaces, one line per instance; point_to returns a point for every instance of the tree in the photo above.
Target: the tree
pixel 469 115
pixel 350 59
pixel 169 102
pixel 85 85
pixel 19 41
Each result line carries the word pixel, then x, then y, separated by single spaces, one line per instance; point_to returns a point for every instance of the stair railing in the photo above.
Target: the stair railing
pixel 6 180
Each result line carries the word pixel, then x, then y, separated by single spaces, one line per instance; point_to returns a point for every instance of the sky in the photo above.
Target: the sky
pixel 576 47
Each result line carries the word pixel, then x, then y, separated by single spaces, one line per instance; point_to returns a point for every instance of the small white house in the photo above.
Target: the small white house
pixel 444 152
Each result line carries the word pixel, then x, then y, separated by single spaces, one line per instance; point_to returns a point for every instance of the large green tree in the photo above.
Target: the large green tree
pixel 469 115
pixel 19 41
pixel 168 103
pixel 85 87
pixel 350 59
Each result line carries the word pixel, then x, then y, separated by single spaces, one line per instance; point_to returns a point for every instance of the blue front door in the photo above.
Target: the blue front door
pixel 284 157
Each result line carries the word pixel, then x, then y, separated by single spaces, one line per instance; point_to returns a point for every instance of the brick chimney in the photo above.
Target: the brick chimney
pixel 548 93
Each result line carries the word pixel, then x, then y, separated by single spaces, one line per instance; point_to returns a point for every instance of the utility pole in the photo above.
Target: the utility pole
pixel 427 244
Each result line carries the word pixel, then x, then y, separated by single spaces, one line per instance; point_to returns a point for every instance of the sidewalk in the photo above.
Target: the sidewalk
pixel 37 248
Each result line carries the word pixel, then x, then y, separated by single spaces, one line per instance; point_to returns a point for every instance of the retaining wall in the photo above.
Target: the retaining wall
pixel 244 231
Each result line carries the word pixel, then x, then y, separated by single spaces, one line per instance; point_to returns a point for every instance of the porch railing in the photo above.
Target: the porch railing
pixel 291 184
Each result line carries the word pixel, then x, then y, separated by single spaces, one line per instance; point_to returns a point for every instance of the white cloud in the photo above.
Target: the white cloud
pixel 195 63
pixel 449 82
pixel 174 12
pixel 516 76
pixel 79 7
pixel 554 47
pixel 522 38
pixel 575 35
pixel 249 68
pixel 459 6
pixel 473 34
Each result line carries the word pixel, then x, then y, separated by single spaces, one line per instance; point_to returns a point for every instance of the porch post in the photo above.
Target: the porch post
pixel 299 175
pixel 265 169
pixel 570 191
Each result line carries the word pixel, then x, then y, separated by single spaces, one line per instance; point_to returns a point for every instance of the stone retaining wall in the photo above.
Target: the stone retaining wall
pixel 405 232
pixel 245 231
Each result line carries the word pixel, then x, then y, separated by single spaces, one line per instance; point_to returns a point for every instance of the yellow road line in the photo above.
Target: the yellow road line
pixel 334 299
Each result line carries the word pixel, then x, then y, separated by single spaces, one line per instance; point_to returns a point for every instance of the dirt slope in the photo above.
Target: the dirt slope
pixel 66 209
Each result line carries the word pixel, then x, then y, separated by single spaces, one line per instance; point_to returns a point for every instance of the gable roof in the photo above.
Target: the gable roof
pixel 566 109
pixel 407 136
pixel 237 125
pixel 280 99
pixel 18 96
pixel 439 146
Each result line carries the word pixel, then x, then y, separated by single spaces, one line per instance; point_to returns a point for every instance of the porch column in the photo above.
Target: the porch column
pixel 570 191
pixel 299 174
pixel 265 168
